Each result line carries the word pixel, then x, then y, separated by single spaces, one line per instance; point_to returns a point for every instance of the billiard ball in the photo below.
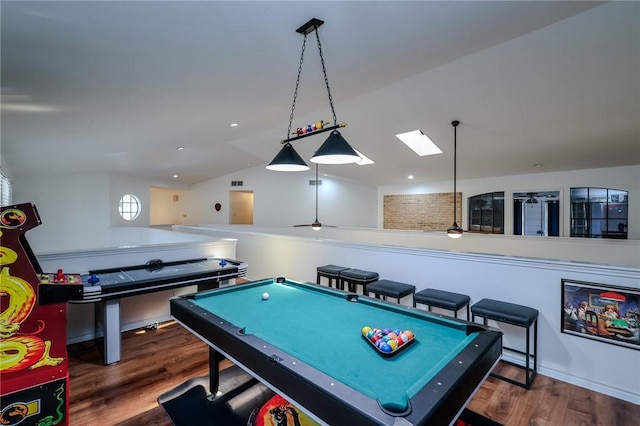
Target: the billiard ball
pixel 265 296
pixel 366 330
pixel 385 348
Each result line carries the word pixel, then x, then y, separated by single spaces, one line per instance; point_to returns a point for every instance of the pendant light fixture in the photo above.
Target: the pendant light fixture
pixel 335 150
pixel 315 225
pixel 454 231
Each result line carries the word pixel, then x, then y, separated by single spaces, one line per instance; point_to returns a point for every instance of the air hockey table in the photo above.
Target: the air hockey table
pixel 106 287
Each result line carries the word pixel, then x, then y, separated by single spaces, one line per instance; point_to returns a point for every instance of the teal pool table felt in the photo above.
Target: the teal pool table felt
pixel 320 327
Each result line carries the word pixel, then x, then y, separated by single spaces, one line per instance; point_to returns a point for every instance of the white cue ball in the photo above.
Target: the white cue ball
pixel 265 296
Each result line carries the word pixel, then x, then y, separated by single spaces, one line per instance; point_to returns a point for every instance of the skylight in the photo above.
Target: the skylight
pixel 419 143
pixel 365 160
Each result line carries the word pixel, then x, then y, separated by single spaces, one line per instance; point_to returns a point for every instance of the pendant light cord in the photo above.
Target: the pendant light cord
pixel 295 93
pixel 455 162
pixel 316 192
pixel 326 80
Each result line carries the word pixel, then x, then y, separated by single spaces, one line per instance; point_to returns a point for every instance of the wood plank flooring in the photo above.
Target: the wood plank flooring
pixel 154 361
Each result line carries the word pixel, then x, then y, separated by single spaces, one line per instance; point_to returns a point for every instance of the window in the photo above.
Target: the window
pixel 599 213
pixel 129 207
pixel 536 213
pixel 5 190
pixel 486 213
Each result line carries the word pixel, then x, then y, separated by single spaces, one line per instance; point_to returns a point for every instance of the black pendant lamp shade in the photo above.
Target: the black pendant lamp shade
pixel 288 160
pixel 335 150
pixel 454 231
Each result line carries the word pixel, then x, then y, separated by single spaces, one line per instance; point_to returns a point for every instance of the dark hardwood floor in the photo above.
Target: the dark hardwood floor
pixel 154 361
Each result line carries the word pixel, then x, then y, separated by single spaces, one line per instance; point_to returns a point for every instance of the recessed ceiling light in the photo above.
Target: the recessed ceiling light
pixel 365 160
pixel 180 148
pixel 175 176
pixel 410 177
pixel 233 124
pixel 419 143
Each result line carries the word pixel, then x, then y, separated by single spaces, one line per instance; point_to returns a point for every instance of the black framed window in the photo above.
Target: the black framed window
pixel 599 213
pixel 536 213
pixel 486 213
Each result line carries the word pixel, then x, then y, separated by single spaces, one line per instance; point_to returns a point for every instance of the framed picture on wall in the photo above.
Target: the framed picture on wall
pixel 601 312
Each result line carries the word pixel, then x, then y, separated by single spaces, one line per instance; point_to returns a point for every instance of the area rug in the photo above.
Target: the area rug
pixel 252 404
pixel 471 418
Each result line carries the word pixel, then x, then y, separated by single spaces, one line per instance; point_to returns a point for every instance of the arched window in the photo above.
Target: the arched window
pixel 486 213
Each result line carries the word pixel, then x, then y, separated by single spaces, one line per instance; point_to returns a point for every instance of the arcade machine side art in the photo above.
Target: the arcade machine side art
pixel 34 376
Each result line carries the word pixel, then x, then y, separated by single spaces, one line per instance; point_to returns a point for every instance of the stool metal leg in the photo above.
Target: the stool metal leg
pixel 526 371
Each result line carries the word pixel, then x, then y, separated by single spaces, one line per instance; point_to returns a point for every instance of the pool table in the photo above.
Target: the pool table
pixel 305 343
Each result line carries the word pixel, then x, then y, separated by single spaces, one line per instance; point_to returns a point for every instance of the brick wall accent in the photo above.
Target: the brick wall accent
pixel 427 212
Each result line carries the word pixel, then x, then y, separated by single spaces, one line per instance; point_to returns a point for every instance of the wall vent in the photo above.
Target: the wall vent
pixel 314 182
pixel 237 183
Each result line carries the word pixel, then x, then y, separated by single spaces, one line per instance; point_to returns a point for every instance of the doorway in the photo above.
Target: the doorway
pixel 241 207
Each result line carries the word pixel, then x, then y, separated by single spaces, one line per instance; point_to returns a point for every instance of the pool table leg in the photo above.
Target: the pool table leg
pixel 215 358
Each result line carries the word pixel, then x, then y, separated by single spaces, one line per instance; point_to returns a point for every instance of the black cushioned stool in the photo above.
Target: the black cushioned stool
pixel 442 299
pixel 389 288
pixel 353 277
pixel 330 272
pixel 521 316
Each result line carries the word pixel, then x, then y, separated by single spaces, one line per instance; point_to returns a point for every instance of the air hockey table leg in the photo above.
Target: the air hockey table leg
pixel 108 315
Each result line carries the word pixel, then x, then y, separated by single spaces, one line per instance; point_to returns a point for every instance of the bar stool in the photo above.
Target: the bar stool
pixel 354 277
pixel 330 272
pixel 518 315
pixel 387 288
pixel 442 299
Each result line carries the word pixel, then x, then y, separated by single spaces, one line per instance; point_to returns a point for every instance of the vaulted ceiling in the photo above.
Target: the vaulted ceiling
pixel 117 87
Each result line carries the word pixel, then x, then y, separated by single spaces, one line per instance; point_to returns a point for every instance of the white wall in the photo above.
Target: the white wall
pixel 77 211
pixel 78 208
pixel 74 209
pixel 285 199
pixel 167 206
pixel 530 282
pixel 623 178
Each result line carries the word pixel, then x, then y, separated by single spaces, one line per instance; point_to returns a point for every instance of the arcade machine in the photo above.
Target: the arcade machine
pixel 34 376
